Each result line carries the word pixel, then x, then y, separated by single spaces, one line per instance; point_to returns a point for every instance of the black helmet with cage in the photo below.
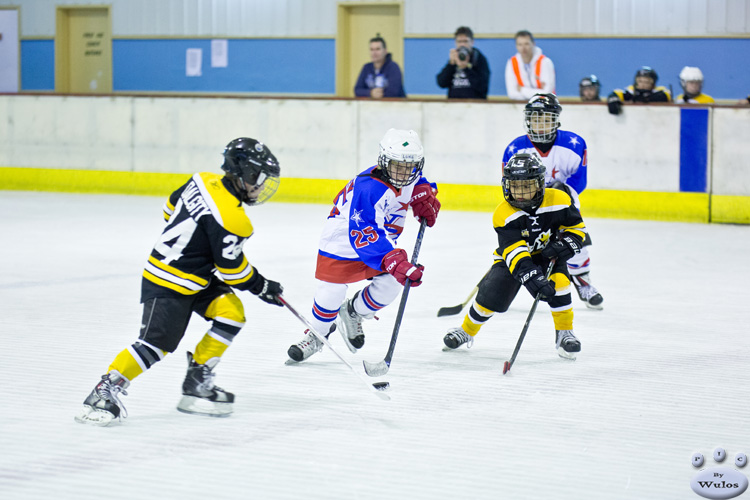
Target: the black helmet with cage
pixel 252 168
pixel 523 181
pixel 542 117
pixel 590 81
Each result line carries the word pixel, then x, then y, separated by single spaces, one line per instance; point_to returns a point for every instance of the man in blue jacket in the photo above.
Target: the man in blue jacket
pixel 381 77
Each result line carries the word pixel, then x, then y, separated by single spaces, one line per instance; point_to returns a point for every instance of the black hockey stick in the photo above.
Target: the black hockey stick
pixel 381 368
pixel 377 387
pixel 508 364
pixel 453 310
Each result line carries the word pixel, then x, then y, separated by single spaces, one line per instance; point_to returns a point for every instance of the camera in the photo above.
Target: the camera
pixel 464 53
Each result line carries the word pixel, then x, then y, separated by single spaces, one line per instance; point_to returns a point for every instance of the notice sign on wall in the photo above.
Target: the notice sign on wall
pixel 93 44
pixel 219 54
pixel 193 62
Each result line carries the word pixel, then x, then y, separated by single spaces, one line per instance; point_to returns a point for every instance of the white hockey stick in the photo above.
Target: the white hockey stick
pixel 377 388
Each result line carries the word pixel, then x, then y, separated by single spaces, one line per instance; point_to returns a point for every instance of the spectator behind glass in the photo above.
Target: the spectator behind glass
pixel 588 88
pixel 643 90
pixel 381 77
pixel 529 71
pixel 691 80
pixel 467 74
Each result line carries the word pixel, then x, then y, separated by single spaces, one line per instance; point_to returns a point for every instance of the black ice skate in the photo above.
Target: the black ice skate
pixel 351 325
pixel 457 337
pixel 567 344
pixel 103 405
pixel 306 347
pixel 588 292
pixel 199 394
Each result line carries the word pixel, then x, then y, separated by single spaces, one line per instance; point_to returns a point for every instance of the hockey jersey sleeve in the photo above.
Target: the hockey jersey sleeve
pixel 579 179
pixel 367 233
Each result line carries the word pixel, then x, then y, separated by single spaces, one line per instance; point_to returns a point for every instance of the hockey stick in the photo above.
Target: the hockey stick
pixel 377 387
pixel 381 368
pixel 508 364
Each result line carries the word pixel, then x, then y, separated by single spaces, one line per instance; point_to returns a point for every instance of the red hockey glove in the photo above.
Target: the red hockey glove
pixel 424 204
pixel 396 262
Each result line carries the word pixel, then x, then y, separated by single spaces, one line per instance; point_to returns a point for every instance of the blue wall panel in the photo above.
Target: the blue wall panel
pixel 693 149
pixel 725 62
pixel 293 66
pixel 37 65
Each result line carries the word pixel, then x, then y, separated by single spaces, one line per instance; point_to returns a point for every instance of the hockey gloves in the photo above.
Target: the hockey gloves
pixel 424 204
pixel 266 290
pixel 535 282
pixel 614 104
pixel 396 262
pixel 561 250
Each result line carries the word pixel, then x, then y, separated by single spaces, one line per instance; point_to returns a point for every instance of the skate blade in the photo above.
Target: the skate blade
pixel 199 406
pixel 93 416
pixel 565 354
pixel 595 308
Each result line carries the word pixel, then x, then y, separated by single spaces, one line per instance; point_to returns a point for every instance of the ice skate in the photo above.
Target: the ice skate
pixel 103 405
pixel 305 348
pixel 457 337
pixel 199 394
pixel 350 322
pixel 567 344
pixel 587 292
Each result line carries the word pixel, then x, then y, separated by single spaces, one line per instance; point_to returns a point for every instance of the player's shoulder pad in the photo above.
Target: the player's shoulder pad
pixel 554 200
pixel 505 213
pixel 224 205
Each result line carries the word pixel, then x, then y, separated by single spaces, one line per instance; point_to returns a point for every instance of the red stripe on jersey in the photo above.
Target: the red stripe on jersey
pixel 585 157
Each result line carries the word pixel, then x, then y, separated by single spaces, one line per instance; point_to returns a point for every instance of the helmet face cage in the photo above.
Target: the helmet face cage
pixel 399 173
pixel 250 163
pixel 542 117
pixel 523 181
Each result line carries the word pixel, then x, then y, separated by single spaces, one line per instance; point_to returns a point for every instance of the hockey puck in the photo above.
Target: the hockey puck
pixel 506 367
pixel 381 386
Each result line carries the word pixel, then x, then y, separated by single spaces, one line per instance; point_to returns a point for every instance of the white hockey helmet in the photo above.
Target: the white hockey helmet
pixel 401 157
pixel 690 74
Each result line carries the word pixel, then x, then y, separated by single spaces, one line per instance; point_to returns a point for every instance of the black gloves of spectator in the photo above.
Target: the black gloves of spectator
pixel 614 104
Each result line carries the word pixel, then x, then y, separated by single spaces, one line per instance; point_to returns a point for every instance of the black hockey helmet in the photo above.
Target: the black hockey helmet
pixel 523 181
pixel 542 117
pixel 248 162
pixel 589 81
pixel 648 72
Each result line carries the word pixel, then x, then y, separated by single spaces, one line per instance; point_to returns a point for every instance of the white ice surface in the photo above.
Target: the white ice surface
pixel 663 371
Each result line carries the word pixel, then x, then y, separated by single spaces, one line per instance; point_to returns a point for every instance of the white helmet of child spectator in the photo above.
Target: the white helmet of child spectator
pixel 690 74
pixel 401 157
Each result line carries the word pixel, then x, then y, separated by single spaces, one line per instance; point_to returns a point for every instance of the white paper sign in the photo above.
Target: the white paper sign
pixel 219 53
pixel 193 62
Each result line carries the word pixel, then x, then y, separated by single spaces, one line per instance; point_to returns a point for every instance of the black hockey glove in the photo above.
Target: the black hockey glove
pixel 535 282
pixel 614 104
pixel 561 250
pixel 267 290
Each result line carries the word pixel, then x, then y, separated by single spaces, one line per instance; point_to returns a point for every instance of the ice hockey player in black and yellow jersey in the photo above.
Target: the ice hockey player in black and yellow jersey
pixel 534 227
pixel 643 90
pixel 193 267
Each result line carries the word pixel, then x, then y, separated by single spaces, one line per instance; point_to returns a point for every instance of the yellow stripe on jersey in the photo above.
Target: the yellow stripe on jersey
pixel 237 275
pixel 230 214
pixel 168 210
pixel 176 272
pixel 512 254
pixel 168 284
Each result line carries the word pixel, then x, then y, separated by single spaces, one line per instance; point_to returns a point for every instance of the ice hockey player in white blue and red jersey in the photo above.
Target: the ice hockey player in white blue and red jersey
pixel 564 155
pixel 359 242
pixel 193 268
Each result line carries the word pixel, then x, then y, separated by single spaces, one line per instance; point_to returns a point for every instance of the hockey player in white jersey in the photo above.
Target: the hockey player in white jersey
pixel 359 242
pixel 193 268
pixel 564 155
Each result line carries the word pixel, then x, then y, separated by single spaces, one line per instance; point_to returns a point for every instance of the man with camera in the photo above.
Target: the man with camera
pixel 529 71
pixel 467 74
